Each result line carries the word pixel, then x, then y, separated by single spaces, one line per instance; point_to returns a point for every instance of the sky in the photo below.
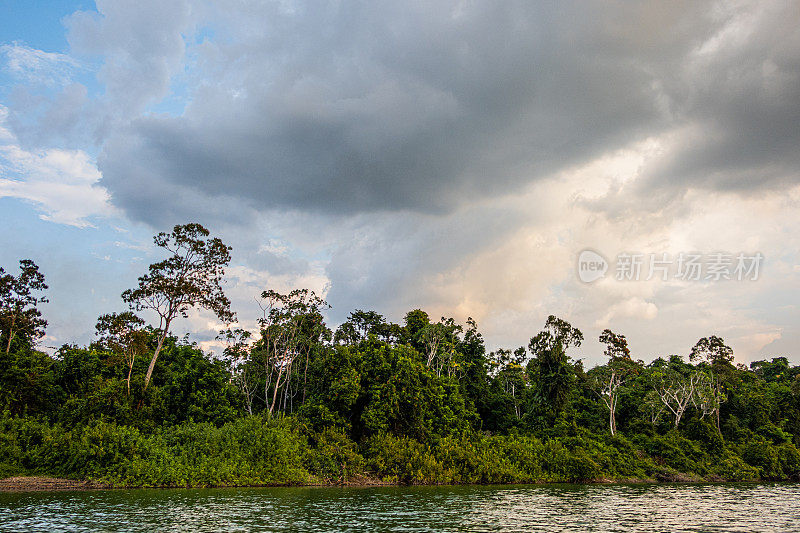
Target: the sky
pixel 472 159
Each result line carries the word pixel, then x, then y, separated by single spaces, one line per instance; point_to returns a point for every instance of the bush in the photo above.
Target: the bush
pixel 789 459
pixel 403 460
pixel 731 467
pixel 334 457
pixel 248 451
pixel 764 456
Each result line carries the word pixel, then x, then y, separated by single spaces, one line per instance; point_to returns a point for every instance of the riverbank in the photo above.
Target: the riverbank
pixel 41 483
pixel 47 484
pixel 254 452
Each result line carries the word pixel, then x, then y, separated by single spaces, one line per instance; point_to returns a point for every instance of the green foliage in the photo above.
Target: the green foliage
pixel 21 322
pixel 420 402
pixel 248 451
pixel 333 456
pixel 190 277
pixel 764 456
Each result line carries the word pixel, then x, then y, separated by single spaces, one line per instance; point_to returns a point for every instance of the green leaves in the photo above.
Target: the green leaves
pixel 20 319
pixel 190 277
pixel 712 350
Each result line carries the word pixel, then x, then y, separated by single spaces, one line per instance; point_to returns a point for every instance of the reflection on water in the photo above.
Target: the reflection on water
pixel 711 507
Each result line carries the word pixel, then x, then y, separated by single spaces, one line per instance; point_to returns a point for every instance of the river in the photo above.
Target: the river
pixel 673 508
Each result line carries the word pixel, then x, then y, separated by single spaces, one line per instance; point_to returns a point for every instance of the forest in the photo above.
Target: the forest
pixel 371 401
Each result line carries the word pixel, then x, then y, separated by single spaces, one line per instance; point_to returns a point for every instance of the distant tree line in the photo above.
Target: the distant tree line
pixel 402 402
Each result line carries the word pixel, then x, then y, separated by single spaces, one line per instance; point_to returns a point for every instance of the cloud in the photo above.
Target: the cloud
pixel 376 108
pixel 373 107
pixel 450 156
pixel 61 183
pixel 37 66
pixel 630 308
pixel 141 48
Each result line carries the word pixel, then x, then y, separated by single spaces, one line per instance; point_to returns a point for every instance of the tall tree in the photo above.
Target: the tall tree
pixel 712 350
pixel 551 370
pixel 19 316
pixel 510 374
pixel 122 333
pixel 709 395
pixel 609 379
pixel 556 331
pixel 189 278
pixel 616 345
pixel 676 385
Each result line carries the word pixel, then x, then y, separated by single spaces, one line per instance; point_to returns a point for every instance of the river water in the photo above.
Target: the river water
pixel 673 508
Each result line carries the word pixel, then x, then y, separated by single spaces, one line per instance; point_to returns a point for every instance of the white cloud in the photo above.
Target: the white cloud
pixel 61 183
pixel 37 66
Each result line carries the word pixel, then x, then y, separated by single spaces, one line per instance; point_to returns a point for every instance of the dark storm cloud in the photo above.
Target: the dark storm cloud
pixel 739 96
pixel 385 106
pixel 382 106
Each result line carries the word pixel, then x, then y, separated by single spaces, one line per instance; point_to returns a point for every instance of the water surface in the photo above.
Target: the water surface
pixel 674 508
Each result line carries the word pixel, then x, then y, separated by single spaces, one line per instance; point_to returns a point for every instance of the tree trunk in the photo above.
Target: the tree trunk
pixel 275 393
pixel 10 335
pixel 611 422
pixel 130 370
pixel 155 356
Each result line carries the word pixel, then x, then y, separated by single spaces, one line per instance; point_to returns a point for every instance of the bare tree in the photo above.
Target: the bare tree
pixel 607 381
pixel 189 278
pixel 439 340
pixel 677 391
pixel 432 335
pixel 709 395
pixel 652 406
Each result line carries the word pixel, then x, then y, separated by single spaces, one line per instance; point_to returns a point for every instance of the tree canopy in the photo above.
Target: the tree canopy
pixel 417 401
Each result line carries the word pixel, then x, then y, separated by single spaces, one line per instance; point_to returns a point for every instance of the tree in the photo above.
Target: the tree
pixel 510 374
pixel 415 322
pixel 243 369
pixel 610 378
pixel 122 333
pixel 712 350
pixel 677 387
pixel 19 316
pixel 439 342
pixel 553 378
pixel 291 327
pixel 550 369
pixel 189 278
pixel 616 345
pixel 556 330
pixel 708 395
pixel 652 406
pixel 361 325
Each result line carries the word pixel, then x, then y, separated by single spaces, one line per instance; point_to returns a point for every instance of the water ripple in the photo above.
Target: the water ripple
pixel 552 508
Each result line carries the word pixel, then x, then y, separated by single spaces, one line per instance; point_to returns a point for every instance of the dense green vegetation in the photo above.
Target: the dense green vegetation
pixel 417 402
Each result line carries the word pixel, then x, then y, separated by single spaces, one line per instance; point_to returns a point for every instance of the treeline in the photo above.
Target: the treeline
pixel 417 402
